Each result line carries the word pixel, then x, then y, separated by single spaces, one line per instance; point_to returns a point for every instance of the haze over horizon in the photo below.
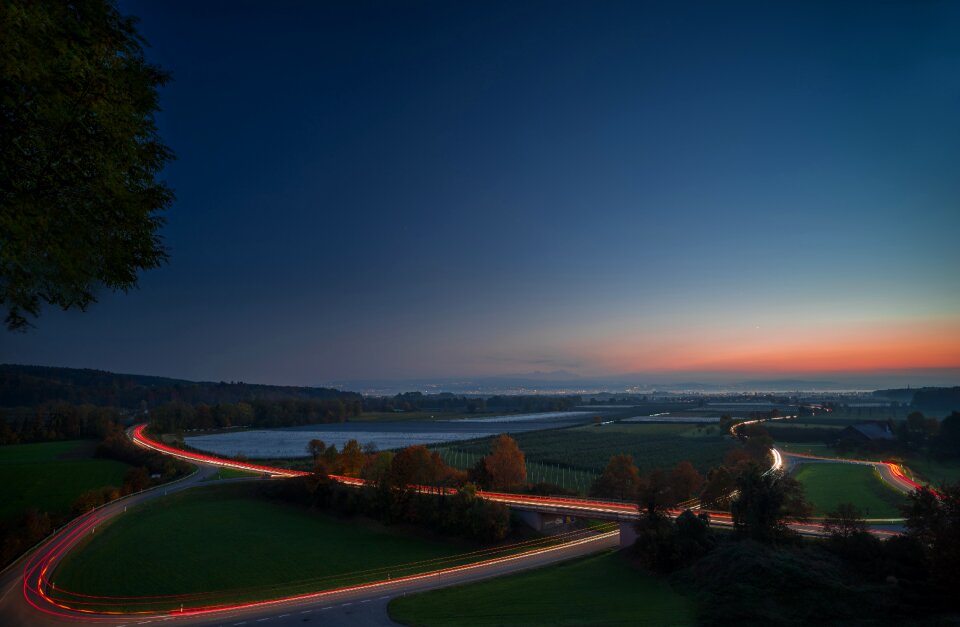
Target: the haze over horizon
pixel 696 192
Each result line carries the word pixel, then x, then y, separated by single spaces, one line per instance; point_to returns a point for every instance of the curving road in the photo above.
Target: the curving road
pixel 891 472
pixel 29 599
pixel 19 603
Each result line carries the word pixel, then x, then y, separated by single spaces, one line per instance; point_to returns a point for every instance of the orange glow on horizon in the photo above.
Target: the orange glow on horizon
pixel 839 348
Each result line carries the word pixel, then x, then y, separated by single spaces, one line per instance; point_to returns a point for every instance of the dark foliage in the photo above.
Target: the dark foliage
pixel 461 514
pixel 173 417
pixel 56 421
pixel 412 401
pixel 117 446
pixel 934 523
pixel 947 442
pixel 764 502
pixel 79 156
pixel 619 480
pixel 937 400
pixel 148 469
pixel 663 544
pixel 749 583
pixel 29 386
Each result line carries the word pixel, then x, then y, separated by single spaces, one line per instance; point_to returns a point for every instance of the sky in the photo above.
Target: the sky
pixel 396 190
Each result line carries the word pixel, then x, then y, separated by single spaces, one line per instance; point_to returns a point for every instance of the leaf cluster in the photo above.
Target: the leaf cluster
pixel 80 201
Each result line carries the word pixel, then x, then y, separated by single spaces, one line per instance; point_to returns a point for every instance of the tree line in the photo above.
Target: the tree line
pixel 56 421
pixel 29 386
pixel 413 485
pixel 763 572
pixel 174 417
pixel 416 401
pixel 940 438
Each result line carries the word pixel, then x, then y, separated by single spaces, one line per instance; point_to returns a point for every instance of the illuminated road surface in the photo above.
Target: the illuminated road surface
pixel 891 472
pixel 27 600
pixel 37 604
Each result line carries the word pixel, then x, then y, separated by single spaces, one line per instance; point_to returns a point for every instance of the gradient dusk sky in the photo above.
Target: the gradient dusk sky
pixel 417 189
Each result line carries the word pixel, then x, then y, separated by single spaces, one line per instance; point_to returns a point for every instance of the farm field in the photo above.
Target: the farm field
pixel 574 457
pixel 827 420
pixel 921 467
pixel 803 433
pixel 788 425
pixel 220 543
pixel 933 471
pixel 828 485
pixel 229 473
pixel 49 476
pixel 598 590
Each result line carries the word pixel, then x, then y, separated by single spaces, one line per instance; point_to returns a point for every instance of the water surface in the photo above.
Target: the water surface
pixel 292 441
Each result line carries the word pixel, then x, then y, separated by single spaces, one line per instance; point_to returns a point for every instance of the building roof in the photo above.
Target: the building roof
pixel 874 430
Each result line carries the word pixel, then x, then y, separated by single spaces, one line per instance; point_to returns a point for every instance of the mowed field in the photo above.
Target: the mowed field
pixel 219 543
pixel 919 466
pixel 828 485
pixel 574 457
pixel 603 589
pixel 50 476
pixel 934 471
pixel 230 473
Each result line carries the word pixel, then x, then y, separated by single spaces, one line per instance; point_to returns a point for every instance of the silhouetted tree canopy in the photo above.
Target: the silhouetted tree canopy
pixel 764 501
pixel 79 156
pixel 619 480
pixel 506 463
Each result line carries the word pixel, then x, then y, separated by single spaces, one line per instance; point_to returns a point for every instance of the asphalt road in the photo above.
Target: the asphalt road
pixel 889 472
pixel 15 598
pixel 29 605
pixel 360 605
pixel 367 606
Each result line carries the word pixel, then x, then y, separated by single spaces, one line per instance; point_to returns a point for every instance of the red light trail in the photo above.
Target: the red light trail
pixel 40 592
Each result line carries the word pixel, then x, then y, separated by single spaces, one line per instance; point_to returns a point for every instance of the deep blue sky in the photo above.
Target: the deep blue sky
pixel 392 190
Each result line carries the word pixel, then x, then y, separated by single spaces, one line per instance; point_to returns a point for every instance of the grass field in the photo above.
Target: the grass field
pixel 933 471
pixel 828 485
pixel 228 545
pixel 230 473
pixel 831 420
pixel 50 476
pixel 574 457
pixel 599 590
pixel 791 426
pixel 921 467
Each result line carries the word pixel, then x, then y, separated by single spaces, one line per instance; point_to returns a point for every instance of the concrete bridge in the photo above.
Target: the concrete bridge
pixel 544 513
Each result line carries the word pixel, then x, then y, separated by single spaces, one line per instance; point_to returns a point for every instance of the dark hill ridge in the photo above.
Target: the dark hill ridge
pixel 933 399
pixel 26 386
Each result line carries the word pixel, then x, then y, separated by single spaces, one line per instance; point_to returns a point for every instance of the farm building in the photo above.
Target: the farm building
pixel 866 432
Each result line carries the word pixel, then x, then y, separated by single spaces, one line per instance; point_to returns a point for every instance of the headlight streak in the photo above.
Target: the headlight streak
pixel 396 568
pixel 110 616
pixel 36 581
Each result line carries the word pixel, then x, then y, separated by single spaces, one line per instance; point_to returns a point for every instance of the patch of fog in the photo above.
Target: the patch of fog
pixel 525 417
pixel 270 443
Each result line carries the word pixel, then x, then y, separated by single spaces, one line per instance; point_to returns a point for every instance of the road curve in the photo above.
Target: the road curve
pixel 35 605
pixel 18 603
pixel 891 472
pixel 29 598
